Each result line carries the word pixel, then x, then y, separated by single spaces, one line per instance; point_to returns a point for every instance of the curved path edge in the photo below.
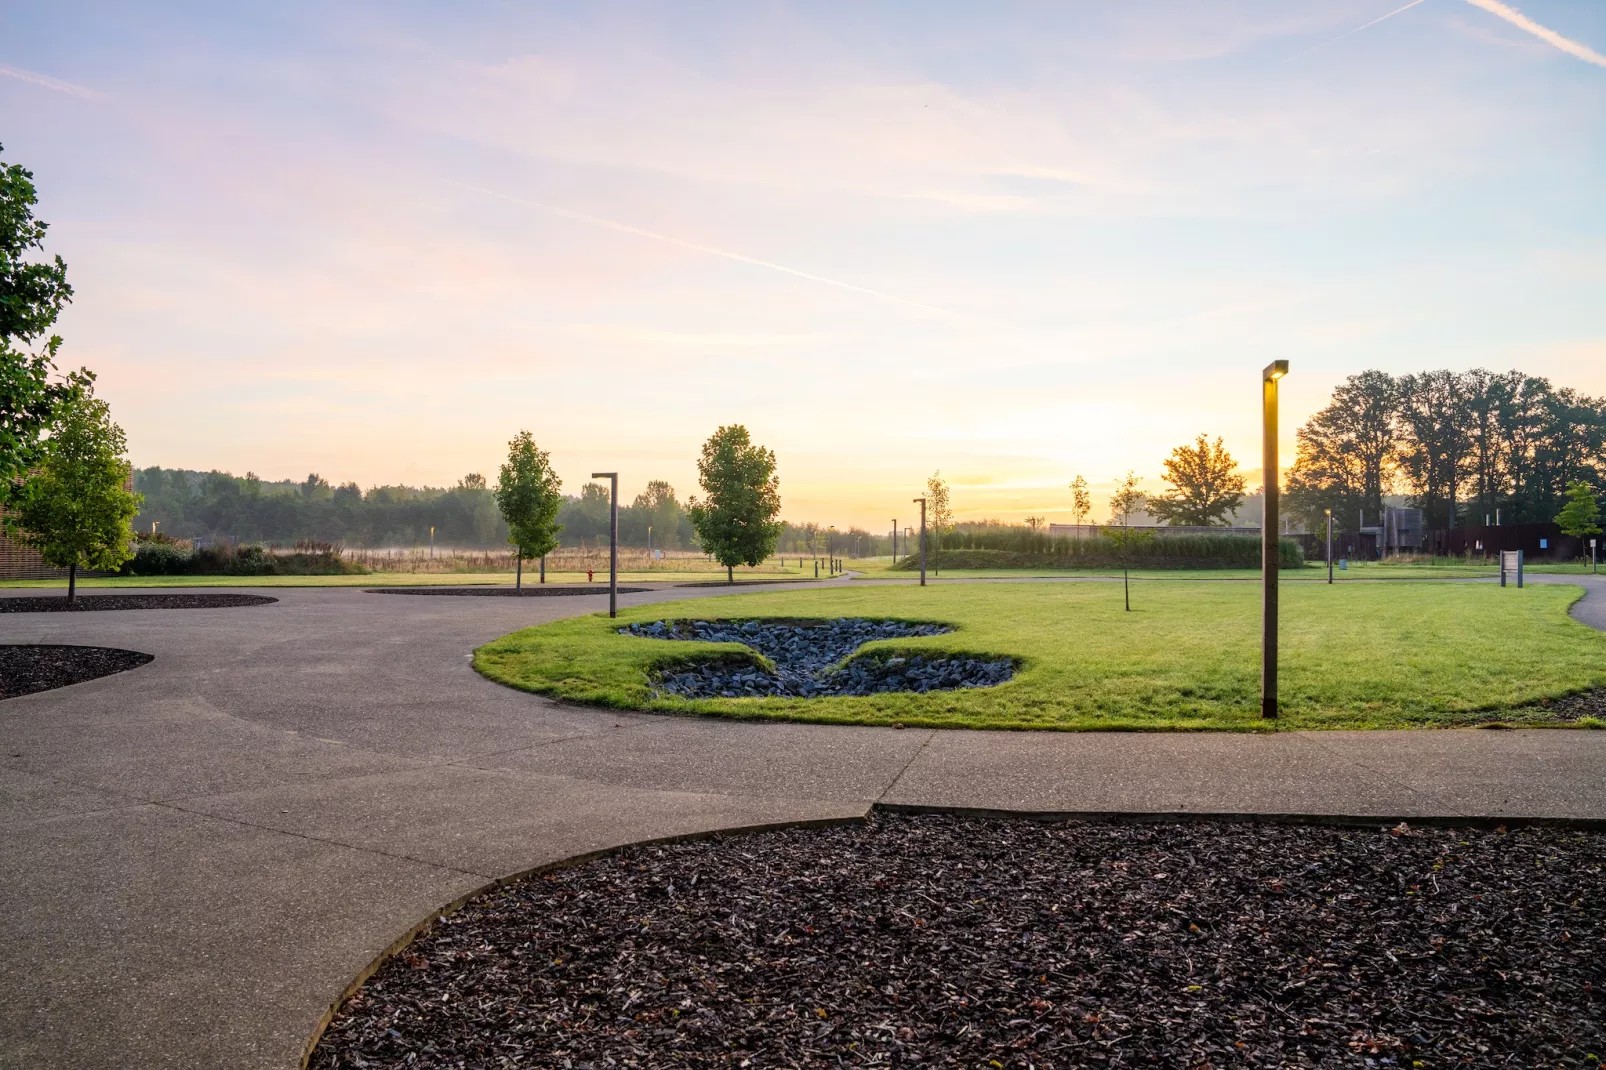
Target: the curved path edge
pixel 198 856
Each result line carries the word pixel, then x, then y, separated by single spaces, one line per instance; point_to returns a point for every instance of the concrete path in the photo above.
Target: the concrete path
pixel 197 856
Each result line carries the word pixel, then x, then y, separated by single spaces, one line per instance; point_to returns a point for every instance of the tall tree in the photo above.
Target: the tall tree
pixel 74 508
pixel 735 519
pixel 939 515
pixel 1435 443
pixel 31 296
pixel 1205 486
pixel 1347 453
pixel 529 493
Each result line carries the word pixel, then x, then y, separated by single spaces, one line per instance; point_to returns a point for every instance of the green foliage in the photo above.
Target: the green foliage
pixel 154 557
pixel 735 520
pixel 1015 548
pixel 31 296
pixel 529 494
pixel 73 509
pixel 1578 517
pixel 1463 445
pixel 1362 655
pixel 1205 486
pixel 1081 501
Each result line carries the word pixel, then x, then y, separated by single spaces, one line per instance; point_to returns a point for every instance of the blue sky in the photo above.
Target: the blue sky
pixel 1011 242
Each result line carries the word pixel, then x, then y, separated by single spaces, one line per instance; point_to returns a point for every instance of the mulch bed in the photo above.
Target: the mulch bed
pixel 956 942
pixel 91 603
pixel 537 591
pixel 1575 707
pixel 26 669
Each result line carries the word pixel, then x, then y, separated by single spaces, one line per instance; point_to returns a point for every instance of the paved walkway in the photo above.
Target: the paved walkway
pixel 196 857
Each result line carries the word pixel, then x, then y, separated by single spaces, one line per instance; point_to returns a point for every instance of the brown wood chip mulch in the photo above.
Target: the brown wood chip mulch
pixel 91 603
pixel 26 669
pixel 953 942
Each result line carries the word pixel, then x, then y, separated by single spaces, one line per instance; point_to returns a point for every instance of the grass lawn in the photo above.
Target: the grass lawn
pixel 1187 657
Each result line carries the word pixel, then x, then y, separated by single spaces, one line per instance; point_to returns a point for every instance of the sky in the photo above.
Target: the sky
pixel 1011 242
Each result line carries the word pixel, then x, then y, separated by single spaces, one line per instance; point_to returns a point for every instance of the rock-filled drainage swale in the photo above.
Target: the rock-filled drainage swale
pixel 806 655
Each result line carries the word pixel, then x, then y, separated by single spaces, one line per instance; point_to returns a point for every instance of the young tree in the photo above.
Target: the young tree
pixel 1579 517
pixel 31 296
pixel 1126 500
pixel 1081 502
pixel 529 493
pixel 73 508
pixel 735 520
pixel 1205 486
pixel 939 516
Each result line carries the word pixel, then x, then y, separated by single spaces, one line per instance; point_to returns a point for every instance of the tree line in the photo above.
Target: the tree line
pixel 188 504
pixel 1462 445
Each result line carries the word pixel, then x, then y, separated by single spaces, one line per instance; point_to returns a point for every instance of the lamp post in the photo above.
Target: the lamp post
pixel 613 539
pixel 922 503
pixel 1268 539
pixel 1329 546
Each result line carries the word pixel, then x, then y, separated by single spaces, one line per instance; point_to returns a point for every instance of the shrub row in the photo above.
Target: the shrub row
pixel 1164 552
pixel 156 558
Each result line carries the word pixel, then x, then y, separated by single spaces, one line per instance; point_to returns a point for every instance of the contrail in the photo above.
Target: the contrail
pixel 626 228
pixel 48 82
pixel 1551 37
pixel 1348 33
pixel 1369 25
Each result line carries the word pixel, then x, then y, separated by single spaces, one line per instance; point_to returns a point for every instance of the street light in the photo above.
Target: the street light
pixel 922 503
pixel 613 539
pixel 1268 539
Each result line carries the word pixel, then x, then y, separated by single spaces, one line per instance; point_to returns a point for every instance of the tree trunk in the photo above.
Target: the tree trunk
pixel 543 568
pixel 72 582
pixel 730 574
pixel 518 574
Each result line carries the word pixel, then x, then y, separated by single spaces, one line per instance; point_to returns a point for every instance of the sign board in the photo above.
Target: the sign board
pixel 1510 565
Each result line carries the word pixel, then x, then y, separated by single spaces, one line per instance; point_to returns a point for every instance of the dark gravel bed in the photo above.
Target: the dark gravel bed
pixel 803 653
pixel 942 941
pixel 26 669
pixel 540 590
pixel 91 603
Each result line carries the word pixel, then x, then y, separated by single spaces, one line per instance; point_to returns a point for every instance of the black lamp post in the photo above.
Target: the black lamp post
pixel 1268 539
pixel 613 539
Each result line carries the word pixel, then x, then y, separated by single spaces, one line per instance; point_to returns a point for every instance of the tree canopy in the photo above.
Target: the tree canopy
pixel 1579 516
pixel 1462 445
pixel 73 508
pixel 1205 486
pixel 31 296
pixel 529 495
pixel 735 518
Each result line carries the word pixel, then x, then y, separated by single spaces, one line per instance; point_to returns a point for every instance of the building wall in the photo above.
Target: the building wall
pixel 18 562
